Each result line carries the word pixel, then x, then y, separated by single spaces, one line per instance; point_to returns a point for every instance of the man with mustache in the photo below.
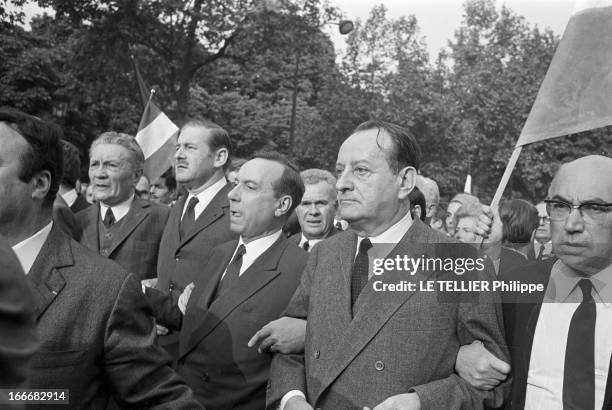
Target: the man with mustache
pixel 197 223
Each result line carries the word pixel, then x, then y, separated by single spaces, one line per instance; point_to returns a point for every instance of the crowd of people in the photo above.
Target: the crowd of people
pixel 229 283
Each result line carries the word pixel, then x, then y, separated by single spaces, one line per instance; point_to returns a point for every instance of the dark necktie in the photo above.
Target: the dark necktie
pixel 232 273
pixel 579 370
pixel 541 251
pixel 306 246
pixel 189 217
pixel 359 274
pixel 109 218
pixel 338 226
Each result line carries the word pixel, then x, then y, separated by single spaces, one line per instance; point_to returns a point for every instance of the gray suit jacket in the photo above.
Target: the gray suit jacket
pixel 97 333
pixel 136 246
pixel 397 342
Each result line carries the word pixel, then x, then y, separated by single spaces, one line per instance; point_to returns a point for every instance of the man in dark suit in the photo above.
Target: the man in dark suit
pixel 70 178
pixel 95 327
pixel 561 336
pixel 252 280
pixel 364 346
pixel 198 222
pixel 17 326
pixel 121 226
pixel 317 209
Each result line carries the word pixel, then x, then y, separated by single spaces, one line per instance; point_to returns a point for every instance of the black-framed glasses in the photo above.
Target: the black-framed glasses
pixel 591 212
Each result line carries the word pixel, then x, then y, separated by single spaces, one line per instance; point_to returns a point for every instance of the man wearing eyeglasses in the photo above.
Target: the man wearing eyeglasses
pixel 542 243
pixel 561 338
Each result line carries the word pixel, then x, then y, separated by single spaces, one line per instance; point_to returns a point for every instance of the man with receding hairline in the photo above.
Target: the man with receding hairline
pixel 561 337
pixel 383 350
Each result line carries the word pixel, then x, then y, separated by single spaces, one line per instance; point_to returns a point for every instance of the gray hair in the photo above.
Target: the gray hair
pixel 314 175
pixel 126 141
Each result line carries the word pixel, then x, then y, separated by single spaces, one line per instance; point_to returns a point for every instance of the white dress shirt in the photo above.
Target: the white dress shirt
pixel 311 242
pixel 119 211
pixel 204 197
pixel 254 250
pixel 546 368
pixel 382 245
pixel 28 249
pixel 70 196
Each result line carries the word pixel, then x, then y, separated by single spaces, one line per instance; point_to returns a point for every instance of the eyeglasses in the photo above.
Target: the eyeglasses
pixel 590 212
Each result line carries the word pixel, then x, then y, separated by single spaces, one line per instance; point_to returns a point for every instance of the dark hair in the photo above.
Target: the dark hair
pixel 44 152
pixel 519 220
pixel 417 198
pixel 169 179
pixel 219 138
pixel 72 164
pixel 405 151
pixel 290 182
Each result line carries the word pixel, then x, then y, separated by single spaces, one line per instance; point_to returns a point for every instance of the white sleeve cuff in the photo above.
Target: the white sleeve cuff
pixel 289 395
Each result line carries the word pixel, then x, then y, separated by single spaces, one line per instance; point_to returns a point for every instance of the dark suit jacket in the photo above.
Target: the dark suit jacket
pixel 79 204
pixel 97 333
pixel 214 358
pixel 183 260
pixel 17 327
pixel 397 341
pixel 510 259
pixel 520 320
pixel 65 218
pixel 135 247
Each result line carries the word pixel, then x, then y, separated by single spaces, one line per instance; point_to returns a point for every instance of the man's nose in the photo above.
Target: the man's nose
pixel 574 221
pixel 344 181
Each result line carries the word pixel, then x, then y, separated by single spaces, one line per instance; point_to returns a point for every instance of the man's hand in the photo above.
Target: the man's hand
pixel 184 298
pixel 285 335
pixel 489 227
pixel 297 403
pixel 161 331
pixel 479 367
pixel 407 401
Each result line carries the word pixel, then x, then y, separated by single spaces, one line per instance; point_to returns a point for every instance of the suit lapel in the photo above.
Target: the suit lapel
pixel 211 213
pixel 258 275
pixel 91 236
pixel 44 276
pixel 175 219
pixel 374 308
pixel 138 212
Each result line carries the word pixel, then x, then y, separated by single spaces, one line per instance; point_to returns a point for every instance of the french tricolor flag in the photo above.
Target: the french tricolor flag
pixel 157 139
pixel 576 94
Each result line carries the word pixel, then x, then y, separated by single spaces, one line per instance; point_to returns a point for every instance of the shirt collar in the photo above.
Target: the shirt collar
pixel 311 242
pixel 70 196
pixel 119 210
pixel 255 248
pixel 205 196
pixel 389 238
pixel 28 249
pixel 564 280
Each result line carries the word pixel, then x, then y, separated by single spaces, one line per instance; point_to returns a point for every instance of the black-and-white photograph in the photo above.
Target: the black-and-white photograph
pixel 306 204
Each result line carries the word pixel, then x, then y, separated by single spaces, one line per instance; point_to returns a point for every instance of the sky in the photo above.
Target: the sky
pixel 438 19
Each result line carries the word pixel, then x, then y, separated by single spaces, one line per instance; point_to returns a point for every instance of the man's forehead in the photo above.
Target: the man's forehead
pixel 583 181
pixel 260 170
pixel 319 190
pixel 110 151
pixel 194 134
pixel 367 145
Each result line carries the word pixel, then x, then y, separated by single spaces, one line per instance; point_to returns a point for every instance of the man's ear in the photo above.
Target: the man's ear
pixel 221 157
pixel 407 179
pixel 283 205
pixel 41 184
pixel 137 174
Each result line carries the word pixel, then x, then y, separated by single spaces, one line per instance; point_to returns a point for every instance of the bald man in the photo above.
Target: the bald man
pixel 562 349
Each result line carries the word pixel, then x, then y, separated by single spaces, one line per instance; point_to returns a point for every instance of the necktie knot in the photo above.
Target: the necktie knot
pixel 239 253
pixel 109 218
pixel 586 286
pixel 192 203
pixel 365 245
pixel 306 246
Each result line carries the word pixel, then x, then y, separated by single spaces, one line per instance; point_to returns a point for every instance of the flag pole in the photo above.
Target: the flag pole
pixel 506 177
